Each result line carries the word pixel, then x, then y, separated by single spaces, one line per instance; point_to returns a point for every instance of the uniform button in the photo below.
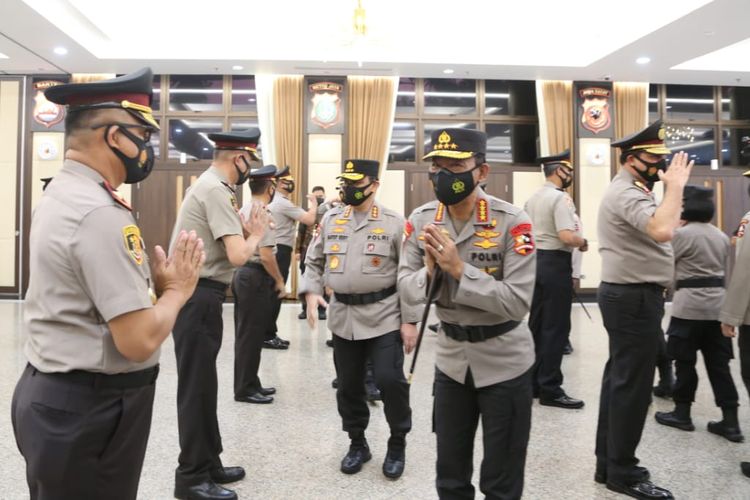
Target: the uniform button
pixel 420 283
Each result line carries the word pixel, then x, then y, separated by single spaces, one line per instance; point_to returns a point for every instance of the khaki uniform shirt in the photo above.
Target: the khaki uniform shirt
pixel 497 285
pixel 629 254
pixel 268 239
pixel 357 257
pixel 88 265
pixel 285 217
pixel 551 210
pixel 210 209
pixel 736 308
pixel 700 250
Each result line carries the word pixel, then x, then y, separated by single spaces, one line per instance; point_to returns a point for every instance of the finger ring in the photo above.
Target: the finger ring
pixel 440 248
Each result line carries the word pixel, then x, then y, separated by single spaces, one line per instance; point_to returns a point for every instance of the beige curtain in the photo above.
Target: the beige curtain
pixel 288 113
pixel 370 116
pixel 90 77
pixel 631 107
pixel 558 114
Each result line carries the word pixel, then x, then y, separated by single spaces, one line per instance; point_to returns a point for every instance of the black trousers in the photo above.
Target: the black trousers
pixel 505 409
pixel 686 338
pixel 387 355
pixel 80 441
pixel 632 316
pixel 197 339
pixel 284 260
pixel 549 319
pixel 254 296
pixel 744 345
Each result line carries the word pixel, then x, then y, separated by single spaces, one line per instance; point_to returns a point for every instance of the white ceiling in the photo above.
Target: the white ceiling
pixel 521 39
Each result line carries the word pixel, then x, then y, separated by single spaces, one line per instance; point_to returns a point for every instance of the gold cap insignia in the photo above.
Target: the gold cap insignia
pixel 662 134
pixel 349 166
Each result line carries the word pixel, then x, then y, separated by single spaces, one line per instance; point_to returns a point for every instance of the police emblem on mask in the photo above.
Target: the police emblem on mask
pixel 359 195
pixel 458 187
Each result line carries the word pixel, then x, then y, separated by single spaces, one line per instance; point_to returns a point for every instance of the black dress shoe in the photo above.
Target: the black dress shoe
pixel 302 315
pixel 733 434
pixel 274 343
pixel 352 462
pixel 257 398
pixel 600 476
pixel 225 475
pixel 745 468
pixel 373 393
pixel 329 342
pixel 563 401
pixel 670 419
pixel 322 315
pixel 267 391
pixel 282 341
pixel 663 391
pixel 645 490
pixel 207 490
pixel 393 465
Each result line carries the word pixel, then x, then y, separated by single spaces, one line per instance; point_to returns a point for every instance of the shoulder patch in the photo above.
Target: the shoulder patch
pixel 523 241
pixel 133 243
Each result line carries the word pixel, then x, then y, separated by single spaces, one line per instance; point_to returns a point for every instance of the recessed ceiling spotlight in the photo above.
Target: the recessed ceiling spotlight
pixel 643 60
pixel 237 67
pixel 60 51
pixel 448 71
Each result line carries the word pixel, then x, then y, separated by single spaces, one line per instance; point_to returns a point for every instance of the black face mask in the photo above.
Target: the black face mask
pixel 566 182
pixel 320 199
pixel 658 165
pixel 140 166
pixel 242 177
pixel 353 195
pixel 452 188
pixel 289 186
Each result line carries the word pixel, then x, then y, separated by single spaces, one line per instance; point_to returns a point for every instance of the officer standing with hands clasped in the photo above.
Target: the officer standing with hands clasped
pixel 356 253
pixel 735 312
pixel 701 252
pixel 255 286
pixel 637 266
pixel 485 351
pixel 556 233
pixel 210 208
pixel 81 411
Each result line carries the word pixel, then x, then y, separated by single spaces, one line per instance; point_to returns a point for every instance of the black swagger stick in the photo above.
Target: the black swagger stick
pixel 437 277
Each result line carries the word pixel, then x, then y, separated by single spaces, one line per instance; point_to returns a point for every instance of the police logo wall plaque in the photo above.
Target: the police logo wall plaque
pixel 46 114
pixel 325 102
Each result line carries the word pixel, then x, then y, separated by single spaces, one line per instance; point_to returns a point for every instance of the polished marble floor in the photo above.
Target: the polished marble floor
pixel 292 448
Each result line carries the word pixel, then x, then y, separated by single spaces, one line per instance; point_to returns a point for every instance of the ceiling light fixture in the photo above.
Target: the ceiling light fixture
pixel 3 56
pixel 360 27
pixel 60 51
pixel 643 60
pixel 237 67
pixel 448 71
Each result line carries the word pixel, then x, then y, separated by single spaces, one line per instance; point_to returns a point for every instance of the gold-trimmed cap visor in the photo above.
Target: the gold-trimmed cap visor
pixel 458 155
pixel 351 177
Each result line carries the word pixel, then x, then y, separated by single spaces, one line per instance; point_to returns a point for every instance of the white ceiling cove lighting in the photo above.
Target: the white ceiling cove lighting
pixel 60 51
pixel 730 58
pixel 3 56
pixel 390 34
pixel 643 60
pixel 448 71
pixel 237 67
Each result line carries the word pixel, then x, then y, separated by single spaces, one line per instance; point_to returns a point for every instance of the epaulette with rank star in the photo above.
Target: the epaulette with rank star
pixel 643 187
pixel 113 193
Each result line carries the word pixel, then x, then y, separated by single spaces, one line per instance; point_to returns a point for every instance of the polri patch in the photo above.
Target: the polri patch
pixel 523 241
pixel 132 237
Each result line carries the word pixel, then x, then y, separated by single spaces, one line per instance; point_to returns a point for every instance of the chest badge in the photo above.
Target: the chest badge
pixel 375 261
pixel 335 247
pixel 485 244
pixel 487 234
pixel 341 222
pixel 378 230
pixel 334 264
pixel 132 236
pixel 338 229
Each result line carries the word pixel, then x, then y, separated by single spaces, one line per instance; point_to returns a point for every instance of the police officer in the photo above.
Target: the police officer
pixel 304 237
pixel 556 232
pixel 356 253
pixel 285 216
pixel 637 266
pixel 485 351
pixel 255 286
pixel 735 312
pixel 701 251
pixel 210 207
pixel 81 411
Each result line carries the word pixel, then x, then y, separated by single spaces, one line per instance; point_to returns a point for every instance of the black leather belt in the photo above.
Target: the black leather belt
pixel 209 283
pixel 102 380
pixel 477 333
pixel 706 282
pixel 254 265
pixel 361 299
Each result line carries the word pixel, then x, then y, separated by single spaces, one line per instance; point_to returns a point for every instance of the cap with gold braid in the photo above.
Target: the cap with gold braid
pixel 457 143
pixel 245 140
pixel 355 170
pixel 649 140
pixel 283 174
pixel 129 92
pixel 550 163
